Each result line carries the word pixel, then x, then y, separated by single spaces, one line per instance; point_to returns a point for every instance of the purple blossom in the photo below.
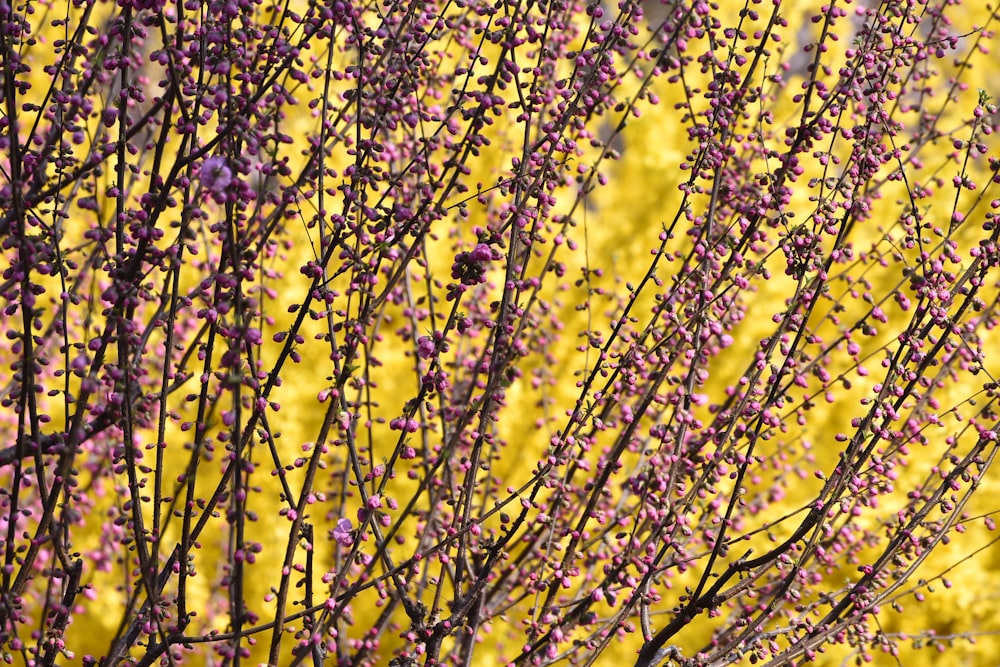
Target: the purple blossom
pixel 343 532
pixel 216 177
pixel 425 347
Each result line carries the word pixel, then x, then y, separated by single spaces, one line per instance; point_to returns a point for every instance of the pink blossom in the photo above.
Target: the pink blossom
pixel 343 533
pixel 216 177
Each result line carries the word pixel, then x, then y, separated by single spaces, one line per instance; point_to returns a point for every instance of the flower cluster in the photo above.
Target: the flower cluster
pixel 470 267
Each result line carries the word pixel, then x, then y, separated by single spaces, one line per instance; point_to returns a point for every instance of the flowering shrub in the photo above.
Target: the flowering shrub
pixel 423 333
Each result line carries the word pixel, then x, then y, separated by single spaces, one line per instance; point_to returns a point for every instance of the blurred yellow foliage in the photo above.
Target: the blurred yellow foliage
pixel 615 230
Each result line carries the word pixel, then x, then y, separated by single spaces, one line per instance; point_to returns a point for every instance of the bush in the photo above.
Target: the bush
pixel 496 333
